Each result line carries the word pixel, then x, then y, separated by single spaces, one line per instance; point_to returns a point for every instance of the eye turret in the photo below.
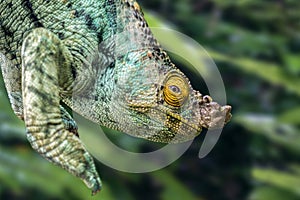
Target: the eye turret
pixel 176 90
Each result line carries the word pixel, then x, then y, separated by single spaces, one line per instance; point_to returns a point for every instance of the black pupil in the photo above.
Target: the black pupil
pixel 174 88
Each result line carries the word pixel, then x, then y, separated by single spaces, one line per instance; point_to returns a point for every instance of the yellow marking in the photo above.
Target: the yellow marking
pixel 136 6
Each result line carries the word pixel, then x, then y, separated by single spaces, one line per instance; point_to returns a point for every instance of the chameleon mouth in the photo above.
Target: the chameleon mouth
pixel 166 112
pixel 176 116
pixel 164 125
pixel 173 129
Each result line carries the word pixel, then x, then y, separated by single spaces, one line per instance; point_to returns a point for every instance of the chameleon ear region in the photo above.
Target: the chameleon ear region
pixel 176 90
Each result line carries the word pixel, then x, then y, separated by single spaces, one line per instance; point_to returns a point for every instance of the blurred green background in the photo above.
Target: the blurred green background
pixel 256 46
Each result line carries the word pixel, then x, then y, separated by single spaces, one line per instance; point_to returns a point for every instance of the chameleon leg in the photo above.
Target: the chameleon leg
pixel 43 56
pixel 12 78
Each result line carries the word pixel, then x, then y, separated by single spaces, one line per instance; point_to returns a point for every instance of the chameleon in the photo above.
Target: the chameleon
pixel 100 58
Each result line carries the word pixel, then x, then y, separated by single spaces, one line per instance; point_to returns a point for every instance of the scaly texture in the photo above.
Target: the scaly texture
pixel 101 59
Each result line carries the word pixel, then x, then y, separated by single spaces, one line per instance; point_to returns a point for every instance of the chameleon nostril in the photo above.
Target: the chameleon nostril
pixel 207 99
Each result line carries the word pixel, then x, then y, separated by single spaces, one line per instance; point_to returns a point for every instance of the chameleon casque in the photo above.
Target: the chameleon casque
pixel 56 51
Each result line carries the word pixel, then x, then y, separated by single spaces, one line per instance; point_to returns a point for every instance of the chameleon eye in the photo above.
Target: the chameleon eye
pixel 176 90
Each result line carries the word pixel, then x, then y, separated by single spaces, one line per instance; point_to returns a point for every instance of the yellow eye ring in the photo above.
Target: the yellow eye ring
pixel 176 90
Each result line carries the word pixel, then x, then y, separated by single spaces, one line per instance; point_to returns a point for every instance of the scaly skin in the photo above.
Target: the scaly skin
pixel 100 58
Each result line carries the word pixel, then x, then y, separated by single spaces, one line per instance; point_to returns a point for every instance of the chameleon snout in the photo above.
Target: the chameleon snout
pixel 215 116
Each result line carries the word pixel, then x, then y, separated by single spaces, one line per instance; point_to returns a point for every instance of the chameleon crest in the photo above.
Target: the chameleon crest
pixel 100 58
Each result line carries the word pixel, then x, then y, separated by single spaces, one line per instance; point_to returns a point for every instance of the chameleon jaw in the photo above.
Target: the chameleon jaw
pixel 172 127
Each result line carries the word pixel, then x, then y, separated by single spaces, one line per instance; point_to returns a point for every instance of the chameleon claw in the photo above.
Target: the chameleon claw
pixel 94 192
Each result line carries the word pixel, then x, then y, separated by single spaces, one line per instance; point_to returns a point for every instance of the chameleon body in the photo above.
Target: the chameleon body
pixel 66 51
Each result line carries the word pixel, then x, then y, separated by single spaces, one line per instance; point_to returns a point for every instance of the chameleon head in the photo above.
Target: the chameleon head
pixel 163 106
pixel 187 110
